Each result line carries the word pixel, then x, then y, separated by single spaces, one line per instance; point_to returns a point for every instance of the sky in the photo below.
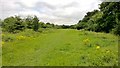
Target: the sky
pixel 60 12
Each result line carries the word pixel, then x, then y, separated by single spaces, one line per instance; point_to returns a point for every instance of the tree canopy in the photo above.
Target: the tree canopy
pixel 107 19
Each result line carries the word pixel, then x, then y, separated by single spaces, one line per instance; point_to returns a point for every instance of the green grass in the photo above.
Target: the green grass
pixel 59 47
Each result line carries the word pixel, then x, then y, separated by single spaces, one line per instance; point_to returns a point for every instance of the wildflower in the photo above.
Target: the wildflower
pixel 97 47
pixel 3 43
pixel 21 37
pixel 86 41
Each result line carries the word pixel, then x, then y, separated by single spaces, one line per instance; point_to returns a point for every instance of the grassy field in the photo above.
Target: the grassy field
pixel 59 47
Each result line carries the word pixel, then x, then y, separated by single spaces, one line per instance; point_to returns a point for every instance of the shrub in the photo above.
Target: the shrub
pixel 11 24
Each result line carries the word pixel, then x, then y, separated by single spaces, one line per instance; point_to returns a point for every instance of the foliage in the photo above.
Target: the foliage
pixel 105 20
pixel 15 24
pixel 35 23
pixel 12 24
pixel 29 22
pixel 65 26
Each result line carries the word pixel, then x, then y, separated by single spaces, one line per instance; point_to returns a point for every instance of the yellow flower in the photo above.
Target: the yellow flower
pixel 97 47
pixel 21 37
pixel 3 43
pixel 86 41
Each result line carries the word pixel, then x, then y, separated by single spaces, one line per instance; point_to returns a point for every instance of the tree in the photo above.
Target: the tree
pixel 49 25
pixel 89 15
pixel 35 23
pixel 20 25
pixel 110 12
pixel 11 24
pixel 105 20
pixel 29 22
pixel 86 22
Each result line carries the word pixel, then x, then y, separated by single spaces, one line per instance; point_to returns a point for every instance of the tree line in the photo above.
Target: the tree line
pixel 14 24
pixel 107 19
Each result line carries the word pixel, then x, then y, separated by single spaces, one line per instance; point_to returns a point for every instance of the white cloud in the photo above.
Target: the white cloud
pixel 29 3
pixel 55 11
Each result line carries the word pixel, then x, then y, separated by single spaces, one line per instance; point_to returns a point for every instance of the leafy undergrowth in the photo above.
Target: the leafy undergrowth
pixel 59 47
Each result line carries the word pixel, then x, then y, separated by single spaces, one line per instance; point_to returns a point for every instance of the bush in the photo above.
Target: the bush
pixel 11 24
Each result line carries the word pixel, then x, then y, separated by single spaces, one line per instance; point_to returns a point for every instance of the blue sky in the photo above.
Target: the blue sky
pixel 55 11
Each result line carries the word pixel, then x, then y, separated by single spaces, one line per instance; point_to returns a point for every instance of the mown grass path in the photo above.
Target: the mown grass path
pixel 62 47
